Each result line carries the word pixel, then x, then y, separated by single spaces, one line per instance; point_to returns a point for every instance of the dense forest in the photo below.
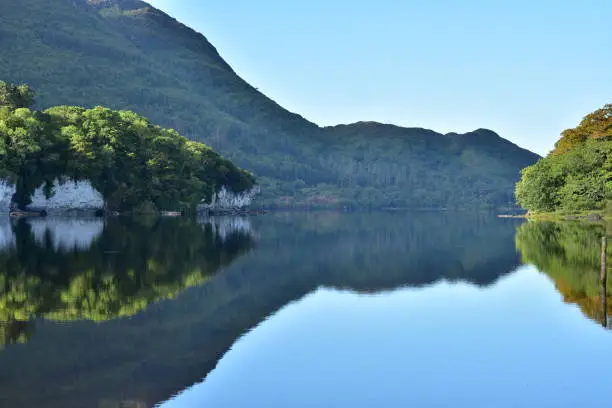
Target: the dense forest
pixel 577 174
pixel 127 55
pixel 135 165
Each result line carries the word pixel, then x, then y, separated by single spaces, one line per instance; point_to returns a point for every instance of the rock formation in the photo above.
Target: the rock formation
pixel 226 200
pixel 68 196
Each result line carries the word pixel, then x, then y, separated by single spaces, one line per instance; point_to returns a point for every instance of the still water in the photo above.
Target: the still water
pixel 303 310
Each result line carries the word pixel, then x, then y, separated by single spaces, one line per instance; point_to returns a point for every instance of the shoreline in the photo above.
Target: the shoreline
pixel 589 216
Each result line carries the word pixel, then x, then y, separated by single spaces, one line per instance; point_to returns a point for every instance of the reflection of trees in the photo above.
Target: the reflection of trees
pixel 175 344
pixel 569 253
pixel 384 252
pixel 129 266
pixel 14 331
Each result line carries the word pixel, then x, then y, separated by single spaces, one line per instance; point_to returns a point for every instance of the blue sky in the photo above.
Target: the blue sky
pixel 525 69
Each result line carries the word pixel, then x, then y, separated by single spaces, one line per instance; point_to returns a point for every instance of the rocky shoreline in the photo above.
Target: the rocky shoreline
pixel 80 198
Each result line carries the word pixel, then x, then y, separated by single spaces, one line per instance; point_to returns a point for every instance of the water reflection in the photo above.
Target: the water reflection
pixel 82 310
pixel 149 357
pixel 64 235
pixel 91 269
pixel 569 253
pixel 7 238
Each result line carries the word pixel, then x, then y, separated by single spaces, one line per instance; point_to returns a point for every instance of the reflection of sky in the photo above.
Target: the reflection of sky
pixel 226 226
pixel 69 233
pixel 512 344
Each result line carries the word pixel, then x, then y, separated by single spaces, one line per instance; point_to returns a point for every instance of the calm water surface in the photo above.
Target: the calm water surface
pixel 303 310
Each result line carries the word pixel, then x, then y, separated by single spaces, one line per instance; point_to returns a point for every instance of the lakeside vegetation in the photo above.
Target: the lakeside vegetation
pixel 174 76
pixel 576 177
pixel 135 165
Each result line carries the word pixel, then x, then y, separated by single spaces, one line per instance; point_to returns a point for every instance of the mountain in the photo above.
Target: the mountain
pixel 125 54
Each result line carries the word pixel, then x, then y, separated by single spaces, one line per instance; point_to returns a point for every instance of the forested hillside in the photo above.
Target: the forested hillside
pixel 127 55
pixel 133 164
pixel 577 174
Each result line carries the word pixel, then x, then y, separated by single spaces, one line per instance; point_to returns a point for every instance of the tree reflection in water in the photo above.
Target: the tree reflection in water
pixel 569 253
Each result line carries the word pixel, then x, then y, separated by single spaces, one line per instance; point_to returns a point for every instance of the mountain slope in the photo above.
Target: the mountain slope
pixel 126 54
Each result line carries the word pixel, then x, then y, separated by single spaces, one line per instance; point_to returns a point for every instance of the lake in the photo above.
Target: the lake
pixel 323 309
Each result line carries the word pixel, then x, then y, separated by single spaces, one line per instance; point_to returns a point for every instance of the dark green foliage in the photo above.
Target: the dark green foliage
pixel 129 160
pixel 127 55
pixel 15 96
pixel 577 175
pixel 28 153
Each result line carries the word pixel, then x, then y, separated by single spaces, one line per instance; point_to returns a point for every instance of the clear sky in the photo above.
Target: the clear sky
pixel 525 69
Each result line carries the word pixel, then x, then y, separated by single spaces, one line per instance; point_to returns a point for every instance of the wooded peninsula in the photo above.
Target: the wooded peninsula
pixel 135 165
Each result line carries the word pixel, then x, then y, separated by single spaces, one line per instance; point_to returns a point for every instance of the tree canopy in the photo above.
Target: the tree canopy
pixel 577 174
pixel 125 157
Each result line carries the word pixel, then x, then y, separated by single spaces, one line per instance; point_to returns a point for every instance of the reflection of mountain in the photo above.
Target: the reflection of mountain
pixel 569 253
pixel 155 354
pixel 86 269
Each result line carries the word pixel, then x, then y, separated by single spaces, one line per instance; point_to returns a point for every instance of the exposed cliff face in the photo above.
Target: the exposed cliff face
pixel 68 195
pixel 226 200
pixel 6 194
pixel 82 196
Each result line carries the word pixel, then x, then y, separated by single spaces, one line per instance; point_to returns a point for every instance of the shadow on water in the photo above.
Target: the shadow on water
pixel 570 253
pixel 94 344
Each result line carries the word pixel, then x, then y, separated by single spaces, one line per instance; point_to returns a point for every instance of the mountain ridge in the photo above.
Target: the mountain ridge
pixel 126 54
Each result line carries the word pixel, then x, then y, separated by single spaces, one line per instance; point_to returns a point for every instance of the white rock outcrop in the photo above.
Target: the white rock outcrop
pixel 226 199
pixel 6 195
pixel 68 195
pixel 66 234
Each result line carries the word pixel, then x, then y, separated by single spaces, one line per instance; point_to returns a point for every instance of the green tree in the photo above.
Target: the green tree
pixel 15 96
pixel 133 163
pixel 577 175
